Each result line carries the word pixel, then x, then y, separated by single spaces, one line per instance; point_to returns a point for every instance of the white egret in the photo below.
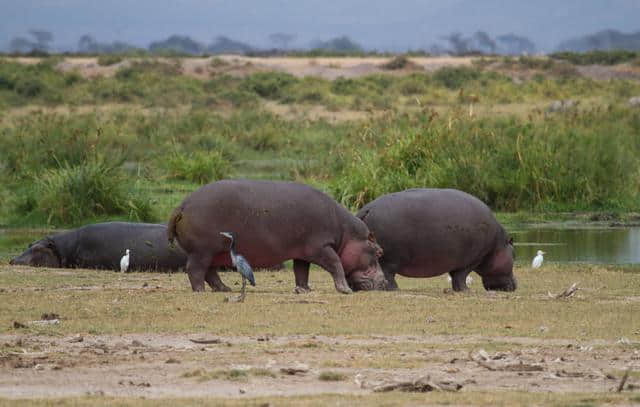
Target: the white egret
pixel 537 261
pixel 124 262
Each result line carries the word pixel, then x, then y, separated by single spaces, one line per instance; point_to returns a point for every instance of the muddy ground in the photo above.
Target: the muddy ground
pixel 159 365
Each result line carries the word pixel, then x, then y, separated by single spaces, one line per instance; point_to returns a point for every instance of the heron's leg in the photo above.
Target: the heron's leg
pixel 213 279
pixel 244 286
pixel 459 279
pixel 329 260
pixel 301 271
pixel 197 266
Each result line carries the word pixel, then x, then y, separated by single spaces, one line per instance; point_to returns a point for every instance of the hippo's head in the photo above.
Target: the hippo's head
pixel 361 267
pixel 42 253
pixel 497 274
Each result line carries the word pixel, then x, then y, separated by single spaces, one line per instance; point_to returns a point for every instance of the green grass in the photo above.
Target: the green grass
pixel 602 308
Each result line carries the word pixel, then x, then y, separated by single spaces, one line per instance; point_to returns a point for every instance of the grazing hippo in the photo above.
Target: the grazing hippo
pixel 102 245
pixel 428 232
pixel 273 222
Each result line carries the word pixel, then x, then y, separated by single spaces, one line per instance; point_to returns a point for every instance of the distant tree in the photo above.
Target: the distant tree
pixel 513 44
pixel 603 40
pixel 282 40
pixel 87 43
pixel 21 45
pixel 341 44
pixel 483 42
pixel 225 45
pixel 43 38
pixel 459 44
pixel 178 43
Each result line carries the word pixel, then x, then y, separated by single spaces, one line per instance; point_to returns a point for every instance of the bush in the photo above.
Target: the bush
pixel 200 167
pixel 398 62
pixel 455 78
pixel 269 85
pixel 588 160
pixel 109 59
pixel 597 57
pixel 71 194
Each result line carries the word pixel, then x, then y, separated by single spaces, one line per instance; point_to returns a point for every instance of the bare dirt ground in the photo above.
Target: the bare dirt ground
pixel 157 365
pixel 324 67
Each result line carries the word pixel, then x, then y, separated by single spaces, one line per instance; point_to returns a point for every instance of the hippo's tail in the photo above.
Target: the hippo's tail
pixel 172 233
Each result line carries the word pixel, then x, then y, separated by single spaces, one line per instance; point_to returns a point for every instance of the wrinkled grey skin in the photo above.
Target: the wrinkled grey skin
pixel 429 232
pixel 102 245
pixel 274 222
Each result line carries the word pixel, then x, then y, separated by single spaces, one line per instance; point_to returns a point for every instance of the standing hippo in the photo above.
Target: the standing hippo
pixel 273 222
pixel 428 232
pixel 102 245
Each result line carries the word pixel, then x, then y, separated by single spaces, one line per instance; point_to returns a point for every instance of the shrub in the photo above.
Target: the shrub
pixel 455 78
pixel 109 59
pixel 200 167
pixel 587 160
pixel 269 85
pixel 71 194
pixel 332 377
pixel 397 62
pixel 601 57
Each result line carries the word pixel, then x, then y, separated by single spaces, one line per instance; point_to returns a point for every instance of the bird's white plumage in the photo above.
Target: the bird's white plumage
pixel 537 261
pixel 469 279
pixel 124 262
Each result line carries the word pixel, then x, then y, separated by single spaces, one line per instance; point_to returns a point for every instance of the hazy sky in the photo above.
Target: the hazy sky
pixel 381 24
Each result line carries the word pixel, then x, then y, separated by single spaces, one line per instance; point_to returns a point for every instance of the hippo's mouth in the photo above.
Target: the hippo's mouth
pixel 371 279
pixel 510 284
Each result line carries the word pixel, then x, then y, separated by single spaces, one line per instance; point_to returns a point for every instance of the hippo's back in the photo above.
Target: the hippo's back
pixel 427 232
pixel 101 245
pixel 269 216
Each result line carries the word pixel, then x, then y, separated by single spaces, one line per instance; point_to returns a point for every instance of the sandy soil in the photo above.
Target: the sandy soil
pixel 158 365
pixel 325 67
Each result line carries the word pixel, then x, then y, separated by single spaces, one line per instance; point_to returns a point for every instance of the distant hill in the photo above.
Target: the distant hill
pixel 603 40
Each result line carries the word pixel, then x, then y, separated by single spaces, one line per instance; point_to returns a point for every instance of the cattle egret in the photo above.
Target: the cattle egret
pixel 240 263
pixel 469 279
pixel 537 261
pixel 124 262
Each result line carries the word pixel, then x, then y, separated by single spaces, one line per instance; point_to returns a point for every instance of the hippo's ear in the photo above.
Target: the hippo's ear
pixel 371 237
pixel 511 241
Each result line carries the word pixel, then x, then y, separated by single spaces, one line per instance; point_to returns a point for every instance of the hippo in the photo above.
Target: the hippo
pixel 274 221
pixel 102 245
pixel 429 232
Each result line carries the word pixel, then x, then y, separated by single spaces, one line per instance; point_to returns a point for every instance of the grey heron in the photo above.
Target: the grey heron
pixel 240 263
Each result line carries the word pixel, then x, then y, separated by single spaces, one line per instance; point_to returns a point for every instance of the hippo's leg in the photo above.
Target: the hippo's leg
pixel 213 279
pixel 459 279
pixel 329 260
pixel 197 266
pixel 301 271
pixel 389 271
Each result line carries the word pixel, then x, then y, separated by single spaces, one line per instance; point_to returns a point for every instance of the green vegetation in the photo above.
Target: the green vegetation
pixel 597 57
pixel 332 376
pixel 134 144
pixel 567 162
pixel 109 59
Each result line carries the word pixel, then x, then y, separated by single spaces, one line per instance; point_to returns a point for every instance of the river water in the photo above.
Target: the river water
pixel 582 244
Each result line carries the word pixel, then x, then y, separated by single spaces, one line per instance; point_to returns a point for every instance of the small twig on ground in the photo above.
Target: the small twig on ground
pixel 206 341
pixel 569 292
pixel 623 381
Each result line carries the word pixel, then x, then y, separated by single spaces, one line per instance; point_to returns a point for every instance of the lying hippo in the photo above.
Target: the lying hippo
pixel 273 222
pixel 428 232
pixel 102 245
